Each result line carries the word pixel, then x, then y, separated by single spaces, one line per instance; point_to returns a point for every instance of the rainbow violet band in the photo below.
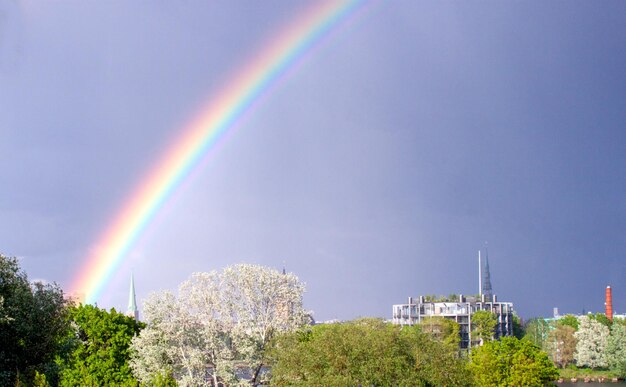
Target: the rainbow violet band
pixel 220 114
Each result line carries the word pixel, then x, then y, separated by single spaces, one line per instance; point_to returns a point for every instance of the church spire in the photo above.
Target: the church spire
pixel 132 310
pixel 486 282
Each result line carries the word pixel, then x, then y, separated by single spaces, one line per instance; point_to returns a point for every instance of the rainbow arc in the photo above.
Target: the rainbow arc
pixel 250 84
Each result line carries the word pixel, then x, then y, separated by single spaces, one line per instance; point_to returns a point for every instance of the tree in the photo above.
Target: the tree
pixel 185 335
pixel 364 352
pixel 618 320
pixel 561 345
pixel 32 326
pixel 261 302
pixel 592 339
pixel 615 351
pixel 511 362
pixel 442 329
pixel 100 342
pixel 518 329
pixel 219 325
pixel 537 331
pixel 570 320
pixel 4 317
pixel 602 319
pixel 483 326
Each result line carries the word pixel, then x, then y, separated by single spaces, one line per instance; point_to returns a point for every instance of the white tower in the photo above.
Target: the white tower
pixel 132 310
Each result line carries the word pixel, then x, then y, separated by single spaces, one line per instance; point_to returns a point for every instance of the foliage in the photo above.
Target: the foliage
pixel 183 337
pixel 592 339
pixel 32 326
pixel 511 362
pixel 572 371
pixel 4 317
pixel 518 328
pixel 537 331
pixel 39 380
pixel 602 319
pixel 569 320
pixel 219 324
pixel 561 345
pixel 452 297
pixel 364 352
pixel 442 329
pixel 100 342
pixel 615 351
pixel 162 379
pixel 483 326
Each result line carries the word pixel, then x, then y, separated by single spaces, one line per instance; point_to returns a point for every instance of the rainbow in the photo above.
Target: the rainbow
pixel 247 87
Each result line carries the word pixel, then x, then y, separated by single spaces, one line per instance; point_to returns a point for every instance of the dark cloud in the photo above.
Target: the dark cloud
pixel 375 170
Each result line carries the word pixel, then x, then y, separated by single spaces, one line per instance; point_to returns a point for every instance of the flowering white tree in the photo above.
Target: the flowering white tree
pixel 260 302
pixel 592 339
pixel 218 323
pixel 171 344
pixel 616 347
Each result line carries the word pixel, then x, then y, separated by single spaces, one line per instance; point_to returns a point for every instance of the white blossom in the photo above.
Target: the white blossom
pixel 592 339
pixel 218 323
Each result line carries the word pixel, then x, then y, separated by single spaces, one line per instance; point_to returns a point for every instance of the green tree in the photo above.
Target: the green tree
pixel 561 345
pixel 452 297
pixel 537 331
pixel 569 320
pixel 615 351
pixel 518 328
pixel 511 362
pixel 442 329
pixel 33 324
pixel 602 319
pixel 100 345
pixel 364 352
pixel 483 326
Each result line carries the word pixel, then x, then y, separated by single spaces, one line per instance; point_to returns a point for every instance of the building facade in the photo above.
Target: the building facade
pixel 459 310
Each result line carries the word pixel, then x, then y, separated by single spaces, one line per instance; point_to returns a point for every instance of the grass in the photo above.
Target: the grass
pixel 582 373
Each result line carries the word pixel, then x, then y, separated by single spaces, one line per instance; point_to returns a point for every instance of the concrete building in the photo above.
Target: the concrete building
pixel 460 311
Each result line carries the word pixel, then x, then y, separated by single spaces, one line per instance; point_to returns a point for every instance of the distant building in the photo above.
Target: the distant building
pixel 460 311
pixel 609 311
pixel 132 310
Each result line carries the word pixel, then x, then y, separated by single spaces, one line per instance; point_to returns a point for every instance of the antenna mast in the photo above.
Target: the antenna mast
pixel 480 276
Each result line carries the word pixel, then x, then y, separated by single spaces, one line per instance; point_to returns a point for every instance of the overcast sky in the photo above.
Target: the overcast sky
pixel 374 171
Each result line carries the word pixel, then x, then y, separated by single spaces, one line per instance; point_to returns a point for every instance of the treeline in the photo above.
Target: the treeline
pixel 582 342
pixel 47 340
pixel 242 325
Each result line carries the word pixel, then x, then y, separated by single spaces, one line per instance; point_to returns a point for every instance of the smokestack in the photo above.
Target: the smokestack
pixel 608 304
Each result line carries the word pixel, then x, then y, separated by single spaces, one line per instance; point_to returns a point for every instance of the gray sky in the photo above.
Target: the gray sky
pixel 375 170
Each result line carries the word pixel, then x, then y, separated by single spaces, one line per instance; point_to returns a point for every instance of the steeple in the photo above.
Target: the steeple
pixel 486 280
pixel 132 310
